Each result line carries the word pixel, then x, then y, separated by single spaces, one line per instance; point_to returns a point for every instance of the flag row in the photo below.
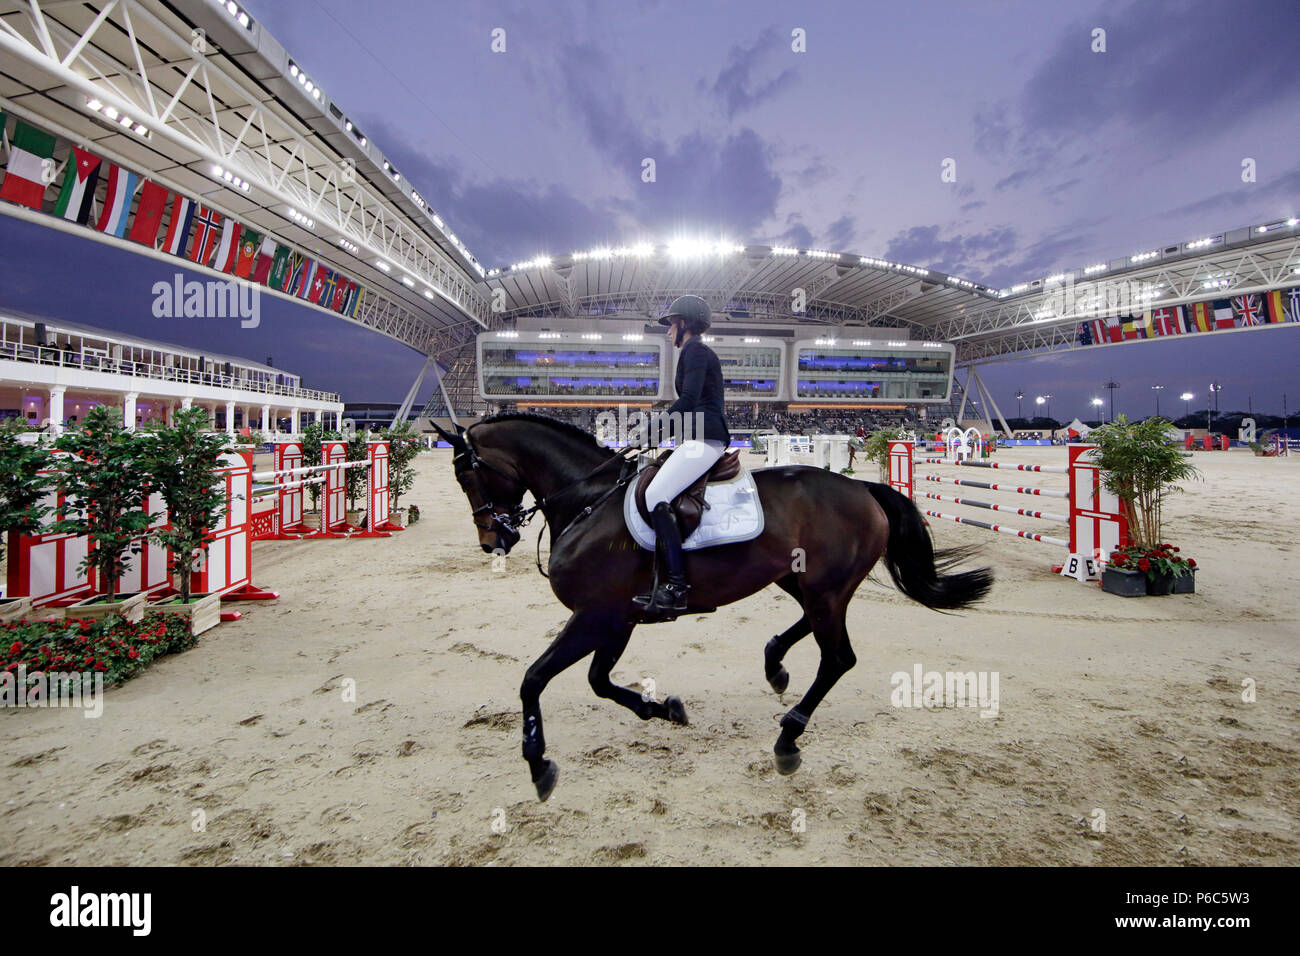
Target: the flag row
pixel 194 231
pixel 1237 312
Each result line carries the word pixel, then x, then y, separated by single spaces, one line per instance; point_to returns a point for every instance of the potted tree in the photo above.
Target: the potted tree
pixel 106 484
pixel 1142 467
pixel 23 487
pixel 183 458
pixel 355 478
pixel 403 446
pixel 876 447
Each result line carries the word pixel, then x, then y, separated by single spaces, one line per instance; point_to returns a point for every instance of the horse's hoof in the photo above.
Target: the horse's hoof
pixel 676 710
pixel 787 764
pixel 780 680
pixel 546 782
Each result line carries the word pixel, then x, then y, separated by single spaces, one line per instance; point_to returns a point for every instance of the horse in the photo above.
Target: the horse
pixel 822 535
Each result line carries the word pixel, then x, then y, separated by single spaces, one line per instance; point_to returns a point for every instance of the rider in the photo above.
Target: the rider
pixel 701 437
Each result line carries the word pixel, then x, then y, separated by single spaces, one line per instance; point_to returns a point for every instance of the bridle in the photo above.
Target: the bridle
pixel 507 523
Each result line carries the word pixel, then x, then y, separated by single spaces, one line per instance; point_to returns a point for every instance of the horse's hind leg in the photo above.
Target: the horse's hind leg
pixel 583 633
pixel 775 651
pixel 641 704
pixel 837 657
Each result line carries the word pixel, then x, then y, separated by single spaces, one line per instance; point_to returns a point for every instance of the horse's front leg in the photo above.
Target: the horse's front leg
pixel 582 634
pixel 642 704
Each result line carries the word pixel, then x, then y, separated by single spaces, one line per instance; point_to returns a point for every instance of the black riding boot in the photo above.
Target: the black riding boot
pixel 668 593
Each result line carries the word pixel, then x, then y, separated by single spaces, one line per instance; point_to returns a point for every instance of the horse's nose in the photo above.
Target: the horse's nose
pixel 487 548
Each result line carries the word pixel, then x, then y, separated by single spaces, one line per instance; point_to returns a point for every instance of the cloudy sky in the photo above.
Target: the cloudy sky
pixel 1063 156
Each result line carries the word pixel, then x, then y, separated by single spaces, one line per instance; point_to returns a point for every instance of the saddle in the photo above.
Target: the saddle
pixel 688 507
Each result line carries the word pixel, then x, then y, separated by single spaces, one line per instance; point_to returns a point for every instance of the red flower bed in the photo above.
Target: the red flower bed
pixel 1164 559
pixel 116 648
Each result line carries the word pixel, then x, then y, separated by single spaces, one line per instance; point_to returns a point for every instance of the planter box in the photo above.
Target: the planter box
pixel 204 611
pixel 1185 583
pixel 15 609
pixel 1124 583
pixel 1161 584
pixel 129 606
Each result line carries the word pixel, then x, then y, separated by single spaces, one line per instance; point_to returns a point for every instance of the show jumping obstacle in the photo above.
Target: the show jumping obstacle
pixel 1095 517
pixel 44 566
pixel 291 477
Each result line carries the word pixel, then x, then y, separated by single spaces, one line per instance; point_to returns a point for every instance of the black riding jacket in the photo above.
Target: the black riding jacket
pixel 699 389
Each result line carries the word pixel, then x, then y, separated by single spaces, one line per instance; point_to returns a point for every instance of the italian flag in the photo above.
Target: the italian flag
pixel 78 187
pixel 31 159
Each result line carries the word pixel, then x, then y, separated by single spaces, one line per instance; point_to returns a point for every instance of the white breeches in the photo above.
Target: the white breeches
pixel 687 463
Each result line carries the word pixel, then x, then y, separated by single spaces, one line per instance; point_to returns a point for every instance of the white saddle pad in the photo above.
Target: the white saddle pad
pixel 734 514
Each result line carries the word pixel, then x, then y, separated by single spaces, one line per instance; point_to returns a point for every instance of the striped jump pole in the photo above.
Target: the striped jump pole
pixel 1096 520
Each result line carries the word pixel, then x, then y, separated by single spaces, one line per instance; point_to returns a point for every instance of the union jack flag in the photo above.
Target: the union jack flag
pixel 1245 309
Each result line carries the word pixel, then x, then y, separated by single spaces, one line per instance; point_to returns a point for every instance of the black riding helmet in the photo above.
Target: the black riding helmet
pixel 692 310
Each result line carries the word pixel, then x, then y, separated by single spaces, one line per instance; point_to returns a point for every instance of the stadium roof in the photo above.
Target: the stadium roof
pixel 758 283
pixel 199 97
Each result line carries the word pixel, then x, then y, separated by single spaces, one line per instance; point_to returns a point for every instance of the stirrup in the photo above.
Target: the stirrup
pixel 663 604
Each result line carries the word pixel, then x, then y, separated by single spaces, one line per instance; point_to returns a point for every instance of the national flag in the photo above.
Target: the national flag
pixel 1113 330
pixel 117 201
pixel 331 286
pixel 1246 311
pixel 228 248
pixel 265 259
pixel 1201 317
pixel 148 215
pixel 1167 321
pixel 308 279
pixel 206 223
pixel 79 182
pixel 1274 306
pixel 248 244
pixel 1133 328
pixel 1293 305
pixel 280 271
pixel 298 264
pixel 1223 315
pixel 353 301
pixel 318 284
pixel 31 162
pixel 340 294
pixel 178 228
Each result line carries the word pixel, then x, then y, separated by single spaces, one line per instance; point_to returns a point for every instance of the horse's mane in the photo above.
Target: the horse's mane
pixel 565 427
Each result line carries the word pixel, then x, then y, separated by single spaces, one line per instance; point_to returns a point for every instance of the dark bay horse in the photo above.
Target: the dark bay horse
pixel 823 533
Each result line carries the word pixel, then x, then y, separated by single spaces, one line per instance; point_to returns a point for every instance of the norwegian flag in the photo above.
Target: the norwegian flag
pixel 1245 310
pixel 206 228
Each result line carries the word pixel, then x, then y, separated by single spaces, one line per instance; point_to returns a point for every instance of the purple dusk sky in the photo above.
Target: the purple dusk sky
pixel 1063 156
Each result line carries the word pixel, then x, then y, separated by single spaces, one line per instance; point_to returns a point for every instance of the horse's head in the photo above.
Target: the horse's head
pixel 495 493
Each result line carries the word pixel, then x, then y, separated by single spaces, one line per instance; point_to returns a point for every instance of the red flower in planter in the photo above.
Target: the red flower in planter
pixel 15 647
pixel 1191 562
pixel 1144 565
pixel 133 654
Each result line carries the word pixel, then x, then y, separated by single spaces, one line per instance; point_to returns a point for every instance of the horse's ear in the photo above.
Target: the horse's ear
pixel 455 441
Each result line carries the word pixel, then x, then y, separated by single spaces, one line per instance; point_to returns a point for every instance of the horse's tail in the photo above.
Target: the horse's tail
pixel 917 569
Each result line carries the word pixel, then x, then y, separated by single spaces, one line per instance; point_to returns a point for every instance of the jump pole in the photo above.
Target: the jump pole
pixel 1096 520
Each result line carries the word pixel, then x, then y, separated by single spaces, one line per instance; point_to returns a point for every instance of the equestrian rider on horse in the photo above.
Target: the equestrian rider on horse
pixel 701 436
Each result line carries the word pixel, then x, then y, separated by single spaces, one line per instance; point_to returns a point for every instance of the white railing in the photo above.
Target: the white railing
pixel 42 355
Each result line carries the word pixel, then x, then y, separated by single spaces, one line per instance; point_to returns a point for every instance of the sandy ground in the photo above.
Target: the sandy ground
pixel 1128 707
